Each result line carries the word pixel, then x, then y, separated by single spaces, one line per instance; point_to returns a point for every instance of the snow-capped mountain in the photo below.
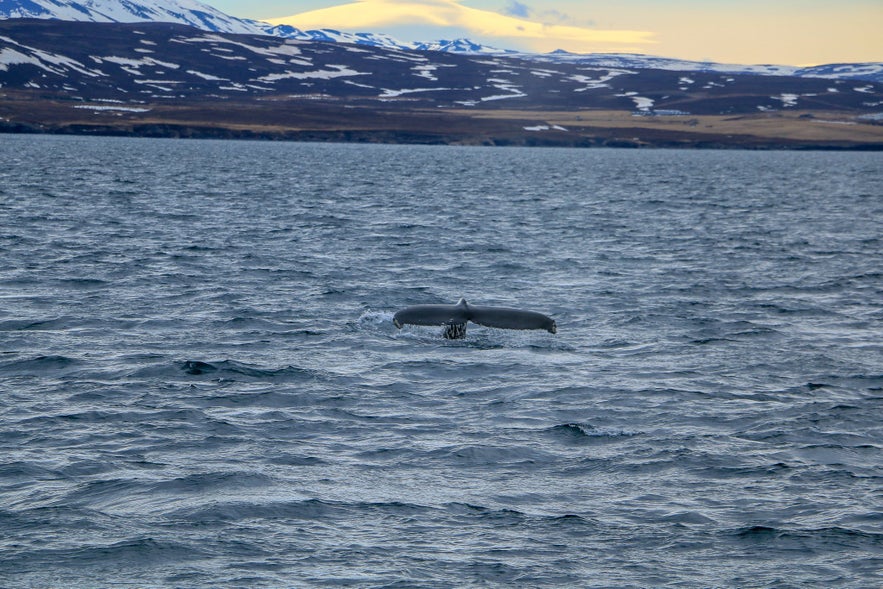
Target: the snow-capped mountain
pixel 185 12
pixel 851 71
pixel 332 36
pixel 166 79
pixel 159 61
pixel 461 46
pixel 205 17
pixel 872 72
pixel 639 61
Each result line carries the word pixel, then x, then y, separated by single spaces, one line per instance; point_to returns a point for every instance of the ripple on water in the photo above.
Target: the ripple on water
pixel 201 384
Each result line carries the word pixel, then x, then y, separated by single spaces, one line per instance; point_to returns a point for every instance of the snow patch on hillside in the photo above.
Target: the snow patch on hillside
pixel 336 71
pixel 50 62
pixel 112 108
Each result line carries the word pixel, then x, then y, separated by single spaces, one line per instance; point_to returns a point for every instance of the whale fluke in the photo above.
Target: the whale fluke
pixel 454 318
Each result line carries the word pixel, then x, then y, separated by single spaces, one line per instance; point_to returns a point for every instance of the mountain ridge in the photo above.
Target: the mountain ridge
pixel 162 79
pixel 203 16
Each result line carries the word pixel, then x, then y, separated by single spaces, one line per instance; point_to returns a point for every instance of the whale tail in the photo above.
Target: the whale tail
pixel 455 317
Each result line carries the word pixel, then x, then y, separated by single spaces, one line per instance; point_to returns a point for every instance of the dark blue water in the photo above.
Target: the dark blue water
pixel 201 386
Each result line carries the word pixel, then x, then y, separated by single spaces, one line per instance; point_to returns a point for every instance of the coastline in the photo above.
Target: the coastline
pixel 794 130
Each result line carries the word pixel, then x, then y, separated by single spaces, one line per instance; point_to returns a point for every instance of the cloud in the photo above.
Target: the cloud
pixel 517 9
pixel 392 16
pixel 556 16
pixel 548 16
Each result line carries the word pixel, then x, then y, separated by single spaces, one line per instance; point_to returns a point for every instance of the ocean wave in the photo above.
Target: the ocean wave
pixel 224 370
pixel 478 456
pixel 812 538
pixel 208 482
pixel 298 509
pixel 41 366
pixel 138 551
pixel 221 399
pixel 373 319
pixel 582 433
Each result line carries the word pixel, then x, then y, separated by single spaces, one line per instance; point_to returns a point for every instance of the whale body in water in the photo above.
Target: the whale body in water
pixel 455 317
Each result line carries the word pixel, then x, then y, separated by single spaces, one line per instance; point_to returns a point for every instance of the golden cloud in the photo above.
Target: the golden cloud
pixel 381 15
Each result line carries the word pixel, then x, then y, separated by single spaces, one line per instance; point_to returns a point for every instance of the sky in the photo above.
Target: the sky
pixel 786 32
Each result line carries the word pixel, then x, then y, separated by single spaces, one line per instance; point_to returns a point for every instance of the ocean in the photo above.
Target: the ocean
pixel 201 384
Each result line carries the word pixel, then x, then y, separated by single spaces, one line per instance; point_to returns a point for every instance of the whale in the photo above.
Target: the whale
pixel 455 317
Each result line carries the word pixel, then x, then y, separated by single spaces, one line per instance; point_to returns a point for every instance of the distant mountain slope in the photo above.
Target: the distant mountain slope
pixel 333 36
pixel 203 16
pixel 187 12
pixel 461 46
pixel 143 62
pixel 852 71
pixel 162 79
